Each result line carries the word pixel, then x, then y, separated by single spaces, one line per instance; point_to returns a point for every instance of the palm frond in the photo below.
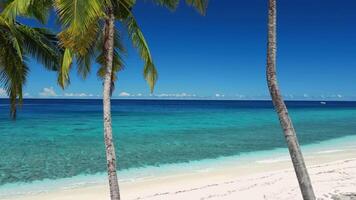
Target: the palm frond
pixel 63 72
pixel 170 4
pixel 41 45
pixel 18 41
pixel 84 64
pixel 139 42
pixel 78 14
pixel 16 7
pixel 39 9
pixel 200 5
pixel 80 22
pixel 10 32
pixel 13 75
pixel 80 43
pixel 118 64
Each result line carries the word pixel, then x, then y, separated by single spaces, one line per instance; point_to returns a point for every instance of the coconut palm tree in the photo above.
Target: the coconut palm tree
pixel 281 109
pixel 18 43
pixel 112 11
pixel 89 32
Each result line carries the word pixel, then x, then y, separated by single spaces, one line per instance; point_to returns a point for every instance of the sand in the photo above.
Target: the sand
pixel 333 175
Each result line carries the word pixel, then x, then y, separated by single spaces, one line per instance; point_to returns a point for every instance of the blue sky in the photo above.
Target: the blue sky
pixel 222 55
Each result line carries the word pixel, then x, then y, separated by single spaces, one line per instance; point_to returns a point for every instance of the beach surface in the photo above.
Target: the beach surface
pixel 333 173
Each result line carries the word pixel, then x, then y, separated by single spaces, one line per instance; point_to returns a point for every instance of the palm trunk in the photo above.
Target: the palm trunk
pixel 109 145
pixel 281 109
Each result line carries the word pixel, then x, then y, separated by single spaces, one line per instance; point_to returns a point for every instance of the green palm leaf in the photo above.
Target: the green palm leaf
pixel 16 7
pixel 80 22
pixel 170 4
pixel 10 32
pixel 139 42
pixel 13 73
pixel 18 41
pixel 38 9
pixel 63 72
pixel 200 5
pixel 41 45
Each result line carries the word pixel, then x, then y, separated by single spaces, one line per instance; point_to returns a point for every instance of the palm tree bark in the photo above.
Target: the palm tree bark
pixel 108 138
pixel 281 109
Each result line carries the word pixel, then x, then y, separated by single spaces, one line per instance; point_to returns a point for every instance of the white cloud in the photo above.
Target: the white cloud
pixel 139 94
pixel 124 94
pixel 77 95
pixel 339 96
pixel 48 92
pixel 179 95
pixel 219 95
pixel 305 95
pixel 2 92
pixel 27 94
pixel 165 95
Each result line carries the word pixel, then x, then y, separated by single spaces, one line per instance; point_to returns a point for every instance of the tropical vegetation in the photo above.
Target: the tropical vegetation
pixel 19 43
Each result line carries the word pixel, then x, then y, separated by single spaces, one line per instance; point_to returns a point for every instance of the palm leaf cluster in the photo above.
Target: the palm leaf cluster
pixel 83 32
pixel 18 42
pixel 82 35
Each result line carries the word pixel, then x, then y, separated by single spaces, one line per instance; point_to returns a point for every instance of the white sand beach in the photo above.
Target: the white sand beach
pixel 333 174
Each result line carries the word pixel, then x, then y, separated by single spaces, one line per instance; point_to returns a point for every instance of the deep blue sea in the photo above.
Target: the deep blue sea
pixel 53 139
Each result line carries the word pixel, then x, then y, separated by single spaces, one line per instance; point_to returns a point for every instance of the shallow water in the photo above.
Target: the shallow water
pixel 55 139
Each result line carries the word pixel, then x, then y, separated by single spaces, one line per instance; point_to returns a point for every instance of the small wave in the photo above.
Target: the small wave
pixel 330 151
pixel 203 170
pixel 274 160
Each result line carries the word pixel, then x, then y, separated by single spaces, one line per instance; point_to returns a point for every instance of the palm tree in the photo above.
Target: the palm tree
pixel 122 11
pixel 281 109
pixel 18 42
pixel 89 32
pixel 105 45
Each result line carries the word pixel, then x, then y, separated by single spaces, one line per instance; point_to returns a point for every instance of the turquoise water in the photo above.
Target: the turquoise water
pixel 55 139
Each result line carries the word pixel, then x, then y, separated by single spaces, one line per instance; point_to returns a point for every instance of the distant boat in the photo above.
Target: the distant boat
pixel 322 102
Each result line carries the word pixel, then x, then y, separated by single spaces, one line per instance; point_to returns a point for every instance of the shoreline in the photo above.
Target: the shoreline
pixel 193 179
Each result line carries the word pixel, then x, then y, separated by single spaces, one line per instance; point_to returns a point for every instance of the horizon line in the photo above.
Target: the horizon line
pixel 184 99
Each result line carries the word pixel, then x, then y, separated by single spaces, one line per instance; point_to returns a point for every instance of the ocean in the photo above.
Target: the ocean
pixel 56 139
